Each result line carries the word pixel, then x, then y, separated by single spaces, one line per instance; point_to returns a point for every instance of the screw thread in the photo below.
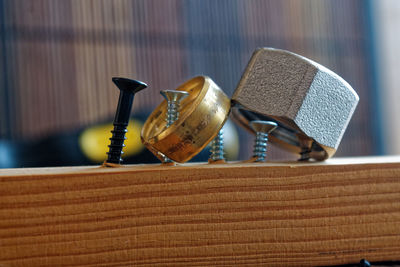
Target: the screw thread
pixel 217 147
pixel 172 116
pixel 173 102
pixel 260 146
pixel 172 112
pixel 117 144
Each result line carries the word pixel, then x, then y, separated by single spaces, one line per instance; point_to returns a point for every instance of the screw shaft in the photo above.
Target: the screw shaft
pixel 117 144
pixel 262 129
pixel 260 146
pixel 172 112
pixel 172 116
pixel 217 147
pixel 174 99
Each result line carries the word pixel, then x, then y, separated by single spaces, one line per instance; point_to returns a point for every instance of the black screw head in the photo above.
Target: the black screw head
pixel 129 85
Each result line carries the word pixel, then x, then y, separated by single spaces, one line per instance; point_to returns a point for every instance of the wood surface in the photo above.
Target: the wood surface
pixel 328 213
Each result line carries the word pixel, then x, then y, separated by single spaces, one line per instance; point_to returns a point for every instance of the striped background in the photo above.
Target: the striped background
pixel 58 56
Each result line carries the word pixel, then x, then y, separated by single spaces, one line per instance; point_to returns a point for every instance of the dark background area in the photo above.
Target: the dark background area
pixel 57 59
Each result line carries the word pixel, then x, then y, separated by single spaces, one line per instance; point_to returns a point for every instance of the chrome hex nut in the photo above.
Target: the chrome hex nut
pixel 307 100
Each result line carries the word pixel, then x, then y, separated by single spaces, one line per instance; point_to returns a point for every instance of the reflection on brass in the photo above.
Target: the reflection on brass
pixel 202 115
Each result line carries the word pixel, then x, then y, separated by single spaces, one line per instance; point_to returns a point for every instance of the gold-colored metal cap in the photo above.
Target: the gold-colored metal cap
pixel 201 116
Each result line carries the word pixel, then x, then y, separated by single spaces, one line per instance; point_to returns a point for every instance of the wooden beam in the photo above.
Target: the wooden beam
pixel 328 213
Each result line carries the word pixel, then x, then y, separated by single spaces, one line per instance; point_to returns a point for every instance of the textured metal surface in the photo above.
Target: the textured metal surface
pixel 302 96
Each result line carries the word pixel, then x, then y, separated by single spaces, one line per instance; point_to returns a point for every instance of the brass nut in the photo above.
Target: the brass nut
pixel 202 115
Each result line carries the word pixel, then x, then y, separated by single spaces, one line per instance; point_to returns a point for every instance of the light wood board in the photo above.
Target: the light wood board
pixel 328 213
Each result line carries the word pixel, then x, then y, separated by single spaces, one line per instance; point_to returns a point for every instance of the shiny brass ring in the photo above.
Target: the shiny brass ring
pixel 201 116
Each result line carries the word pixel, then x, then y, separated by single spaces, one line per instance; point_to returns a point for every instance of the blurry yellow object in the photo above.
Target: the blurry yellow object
pixel 94 141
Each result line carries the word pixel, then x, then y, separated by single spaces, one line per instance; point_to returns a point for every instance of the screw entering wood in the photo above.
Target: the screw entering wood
pixel 128 88
pixel 262 130
pixel 174 99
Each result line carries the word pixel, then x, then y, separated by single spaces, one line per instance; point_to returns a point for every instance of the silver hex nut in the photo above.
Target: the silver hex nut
pixel 307 100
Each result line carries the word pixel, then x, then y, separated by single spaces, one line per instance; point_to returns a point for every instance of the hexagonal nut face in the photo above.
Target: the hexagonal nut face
pixel 301 95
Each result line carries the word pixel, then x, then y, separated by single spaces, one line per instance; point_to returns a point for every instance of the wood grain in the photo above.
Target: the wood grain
pixel 335 212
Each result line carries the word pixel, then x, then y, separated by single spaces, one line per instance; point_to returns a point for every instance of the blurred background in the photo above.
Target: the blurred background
pixel 57 58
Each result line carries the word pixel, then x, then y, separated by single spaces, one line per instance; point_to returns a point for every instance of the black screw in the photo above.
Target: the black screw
pixel 128 88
